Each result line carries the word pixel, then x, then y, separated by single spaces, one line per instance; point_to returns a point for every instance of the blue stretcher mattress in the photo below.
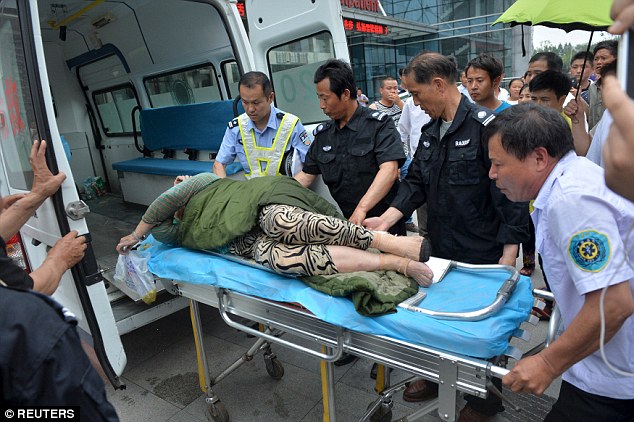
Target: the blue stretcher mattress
pixel 458 292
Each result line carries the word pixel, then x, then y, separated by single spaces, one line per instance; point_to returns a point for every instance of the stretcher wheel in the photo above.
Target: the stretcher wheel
pixel 273 366
pixel 218 412
pixel 382 414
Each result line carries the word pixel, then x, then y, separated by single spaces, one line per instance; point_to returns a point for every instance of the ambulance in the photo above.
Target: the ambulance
pixel 79 73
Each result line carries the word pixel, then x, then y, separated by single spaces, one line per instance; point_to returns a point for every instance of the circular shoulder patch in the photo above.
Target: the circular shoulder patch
pixel 590 250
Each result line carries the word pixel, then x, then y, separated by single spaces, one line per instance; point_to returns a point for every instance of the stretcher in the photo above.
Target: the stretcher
pixel 459 354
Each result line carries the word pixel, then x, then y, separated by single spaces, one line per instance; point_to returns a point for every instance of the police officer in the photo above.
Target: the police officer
pixel 584 233
pixel 42 362
pixel 266 140
pixel 469 220
pixel 358 152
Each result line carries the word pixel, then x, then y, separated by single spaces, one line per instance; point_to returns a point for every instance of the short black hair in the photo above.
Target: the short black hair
pixel 611 45
pixel 386 78
pixel 488 63
pixel 525 127
pixel 340 75
pixel 552 60
pixel 583 55
pixel 426 66
pixel 255 78
pixel 551 80
pixel 525 86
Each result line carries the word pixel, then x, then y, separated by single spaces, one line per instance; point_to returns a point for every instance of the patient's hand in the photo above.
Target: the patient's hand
pixel 126 243
pixel 180 179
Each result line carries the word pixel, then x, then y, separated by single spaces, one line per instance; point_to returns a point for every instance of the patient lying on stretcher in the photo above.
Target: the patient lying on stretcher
pixel 279 224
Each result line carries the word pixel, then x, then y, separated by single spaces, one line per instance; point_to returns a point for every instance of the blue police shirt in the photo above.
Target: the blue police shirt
pixel 232 141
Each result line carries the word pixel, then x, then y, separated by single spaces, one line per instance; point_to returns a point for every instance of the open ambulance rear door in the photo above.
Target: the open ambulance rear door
pixel 27 113
pixel 290 40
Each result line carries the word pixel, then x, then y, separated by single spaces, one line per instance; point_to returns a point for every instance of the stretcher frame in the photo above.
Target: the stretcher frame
pixel 454 373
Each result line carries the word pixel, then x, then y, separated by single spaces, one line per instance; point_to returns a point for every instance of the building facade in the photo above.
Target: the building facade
pixel 400 29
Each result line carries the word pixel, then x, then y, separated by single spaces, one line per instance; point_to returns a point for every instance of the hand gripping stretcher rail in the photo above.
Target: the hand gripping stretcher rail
pixel 465 326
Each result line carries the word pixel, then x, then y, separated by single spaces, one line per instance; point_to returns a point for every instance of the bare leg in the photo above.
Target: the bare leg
pixel 295 226
pixel 302 260
pixel 349 260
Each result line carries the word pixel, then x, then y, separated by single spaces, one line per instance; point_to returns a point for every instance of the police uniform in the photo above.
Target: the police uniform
pixel 11 273
pixel 583 254
pixel 469 219
pixel 42 362
pixel 349 158
pixel 233 143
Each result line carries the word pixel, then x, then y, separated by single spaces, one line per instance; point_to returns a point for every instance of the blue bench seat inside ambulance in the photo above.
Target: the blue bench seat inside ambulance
pixel 194 127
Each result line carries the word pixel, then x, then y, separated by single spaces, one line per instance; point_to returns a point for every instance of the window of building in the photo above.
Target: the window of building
pixel 292 68
pixel 114 107
pixel 183 86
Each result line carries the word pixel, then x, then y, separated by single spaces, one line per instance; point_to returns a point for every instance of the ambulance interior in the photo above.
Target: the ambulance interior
pixel 108 59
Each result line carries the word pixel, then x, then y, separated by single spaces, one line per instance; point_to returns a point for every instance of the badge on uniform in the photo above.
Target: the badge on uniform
pixel 426 144
pixel 305 138
pixel 327 148
pixel 590 250
pixel 463 143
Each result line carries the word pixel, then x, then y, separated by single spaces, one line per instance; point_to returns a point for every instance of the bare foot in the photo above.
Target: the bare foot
pixel 419 272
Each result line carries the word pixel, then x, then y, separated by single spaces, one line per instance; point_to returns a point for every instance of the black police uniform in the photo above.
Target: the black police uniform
pixel 10 272
pixel 349 158
pixel 42 362
pixel 469 219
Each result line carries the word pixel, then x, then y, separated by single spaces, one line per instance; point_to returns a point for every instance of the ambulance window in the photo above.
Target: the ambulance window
pixel 292 68
pixel 183 86
pixel 231 74
pixel 18 127
pixel 114 106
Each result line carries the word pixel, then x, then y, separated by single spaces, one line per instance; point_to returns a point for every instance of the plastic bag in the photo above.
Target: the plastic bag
pixel 133 271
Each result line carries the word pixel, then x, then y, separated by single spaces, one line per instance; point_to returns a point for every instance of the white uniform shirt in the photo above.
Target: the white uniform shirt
pixel 413 118
pixel 583 233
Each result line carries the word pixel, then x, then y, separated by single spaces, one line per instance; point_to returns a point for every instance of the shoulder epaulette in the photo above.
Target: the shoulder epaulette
pixel 377 115
pixel 321 127
pixel 233 123
pixel 483 115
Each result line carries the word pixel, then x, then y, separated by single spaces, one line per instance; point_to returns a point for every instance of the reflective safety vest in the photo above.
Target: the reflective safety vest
pixel 266 161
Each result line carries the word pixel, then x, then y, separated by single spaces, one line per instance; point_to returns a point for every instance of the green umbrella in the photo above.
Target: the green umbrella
pixel 569 15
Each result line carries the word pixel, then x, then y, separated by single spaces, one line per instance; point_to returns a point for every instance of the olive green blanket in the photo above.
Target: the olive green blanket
pixel 372 293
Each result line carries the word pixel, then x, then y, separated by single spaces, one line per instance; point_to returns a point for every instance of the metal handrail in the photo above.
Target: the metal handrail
pixel 501 297
pixel 338 351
